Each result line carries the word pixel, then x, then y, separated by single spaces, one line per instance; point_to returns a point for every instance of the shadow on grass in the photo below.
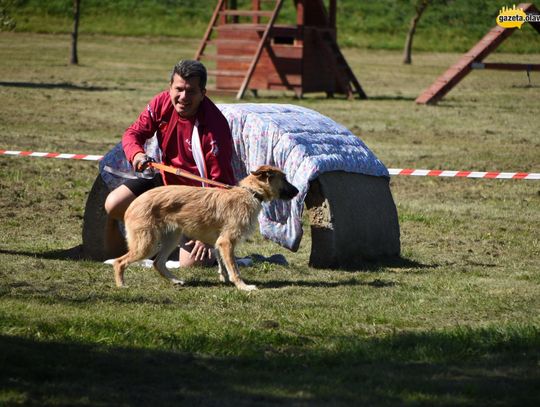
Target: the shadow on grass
pixel 74 253
pixel 390 262
pixel 392 97
pixel 60 85
pixel 294 283
pixel 474 367
pixel 336 97
pixel 382 265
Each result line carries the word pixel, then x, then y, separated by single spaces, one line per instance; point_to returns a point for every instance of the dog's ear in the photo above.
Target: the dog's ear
pixel 263 173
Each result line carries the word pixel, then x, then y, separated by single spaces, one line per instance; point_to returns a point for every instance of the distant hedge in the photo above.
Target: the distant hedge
pixel 447 25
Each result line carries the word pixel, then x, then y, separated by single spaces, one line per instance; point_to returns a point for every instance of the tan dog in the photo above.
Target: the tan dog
pixel 156 220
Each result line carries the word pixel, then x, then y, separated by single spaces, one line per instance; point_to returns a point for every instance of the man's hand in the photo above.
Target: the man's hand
pixel 141 162
pixel 200 251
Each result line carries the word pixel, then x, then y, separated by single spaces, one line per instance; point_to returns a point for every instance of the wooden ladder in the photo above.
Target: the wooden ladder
pixel 220 15
pixel 474 57
pixel 342 71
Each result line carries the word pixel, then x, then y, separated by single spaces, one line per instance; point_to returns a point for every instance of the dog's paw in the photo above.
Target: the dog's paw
pixel 248 287
pixel 177 283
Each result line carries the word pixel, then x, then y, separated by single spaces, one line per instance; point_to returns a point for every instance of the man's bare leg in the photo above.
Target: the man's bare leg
pixel 116 205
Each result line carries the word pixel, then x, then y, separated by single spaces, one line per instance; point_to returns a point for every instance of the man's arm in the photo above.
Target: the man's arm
pixel 141 130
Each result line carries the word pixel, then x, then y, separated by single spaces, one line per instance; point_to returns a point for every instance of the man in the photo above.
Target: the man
pixel 193 135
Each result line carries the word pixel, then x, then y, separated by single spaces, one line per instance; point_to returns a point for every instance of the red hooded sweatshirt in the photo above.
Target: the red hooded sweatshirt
pixel 174 137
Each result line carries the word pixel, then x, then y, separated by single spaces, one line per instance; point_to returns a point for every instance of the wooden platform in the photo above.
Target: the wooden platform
pixel 473 60
pixel 259 55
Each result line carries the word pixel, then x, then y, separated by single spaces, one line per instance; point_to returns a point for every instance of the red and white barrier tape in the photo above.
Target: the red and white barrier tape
pixel 465 174
pixel 392 171
pixel 86 157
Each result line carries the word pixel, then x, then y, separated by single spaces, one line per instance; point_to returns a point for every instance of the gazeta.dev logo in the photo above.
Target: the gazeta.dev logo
pixel 512 17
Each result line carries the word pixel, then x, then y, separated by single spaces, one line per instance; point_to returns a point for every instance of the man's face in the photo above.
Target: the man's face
pixel 186 95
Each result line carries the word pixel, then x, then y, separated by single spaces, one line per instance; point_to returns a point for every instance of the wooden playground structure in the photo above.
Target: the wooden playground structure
pixel 473 59
pixel 252 52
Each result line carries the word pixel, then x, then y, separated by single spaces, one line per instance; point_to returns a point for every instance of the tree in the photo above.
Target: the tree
pixel 75 33
pixel 420 7
pixel 6 21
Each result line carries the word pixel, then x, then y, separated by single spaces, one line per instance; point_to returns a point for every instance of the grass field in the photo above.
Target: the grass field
pixel 457 323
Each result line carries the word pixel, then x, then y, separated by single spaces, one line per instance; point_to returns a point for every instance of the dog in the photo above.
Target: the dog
pixel 156 220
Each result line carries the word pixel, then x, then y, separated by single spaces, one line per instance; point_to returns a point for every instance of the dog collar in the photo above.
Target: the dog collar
pixel 255 194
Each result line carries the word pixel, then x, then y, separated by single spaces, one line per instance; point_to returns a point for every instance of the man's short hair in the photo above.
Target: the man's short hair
pixel 188 69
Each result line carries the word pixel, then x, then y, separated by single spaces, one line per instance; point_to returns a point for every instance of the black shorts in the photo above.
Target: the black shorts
pixel 140 185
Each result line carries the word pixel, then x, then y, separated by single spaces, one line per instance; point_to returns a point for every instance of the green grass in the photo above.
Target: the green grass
pixel 455 323
pixel 445 26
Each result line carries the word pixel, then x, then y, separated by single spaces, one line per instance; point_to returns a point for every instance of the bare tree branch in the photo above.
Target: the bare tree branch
pixel 420 7
pixel 75 33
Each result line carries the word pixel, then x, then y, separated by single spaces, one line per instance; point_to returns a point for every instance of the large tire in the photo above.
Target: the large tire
pixel 94 223
pixel 353 220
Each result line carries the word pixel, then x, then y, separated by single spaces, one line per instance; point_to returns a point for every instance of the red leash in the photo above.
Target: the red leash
pixel 185 174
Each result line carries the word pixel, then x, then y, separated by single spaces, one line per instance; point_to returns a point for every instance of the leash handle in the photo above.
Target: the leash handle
pixel 188 175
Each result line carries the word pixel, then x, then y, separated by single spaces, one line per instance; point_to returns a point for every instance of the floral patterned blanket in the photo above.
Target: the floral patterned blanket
pixel 300 141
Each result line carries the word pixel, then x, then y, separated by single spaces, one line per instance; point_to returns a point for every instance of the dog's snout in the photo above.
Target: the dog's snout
pixel 289 191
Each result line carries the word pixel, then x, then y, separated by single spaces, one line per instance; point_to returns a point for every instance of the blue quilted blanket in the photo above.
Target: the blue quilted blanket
pixel 300 141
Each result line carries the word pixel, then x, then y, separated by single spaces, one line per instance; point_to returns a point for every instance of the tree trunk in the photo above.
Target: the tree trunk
pixel 75 33
pixel 420 8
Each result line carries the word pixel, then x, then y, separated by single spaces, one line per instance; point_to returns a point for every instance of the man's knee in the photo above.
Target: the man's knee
pixel 118 201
